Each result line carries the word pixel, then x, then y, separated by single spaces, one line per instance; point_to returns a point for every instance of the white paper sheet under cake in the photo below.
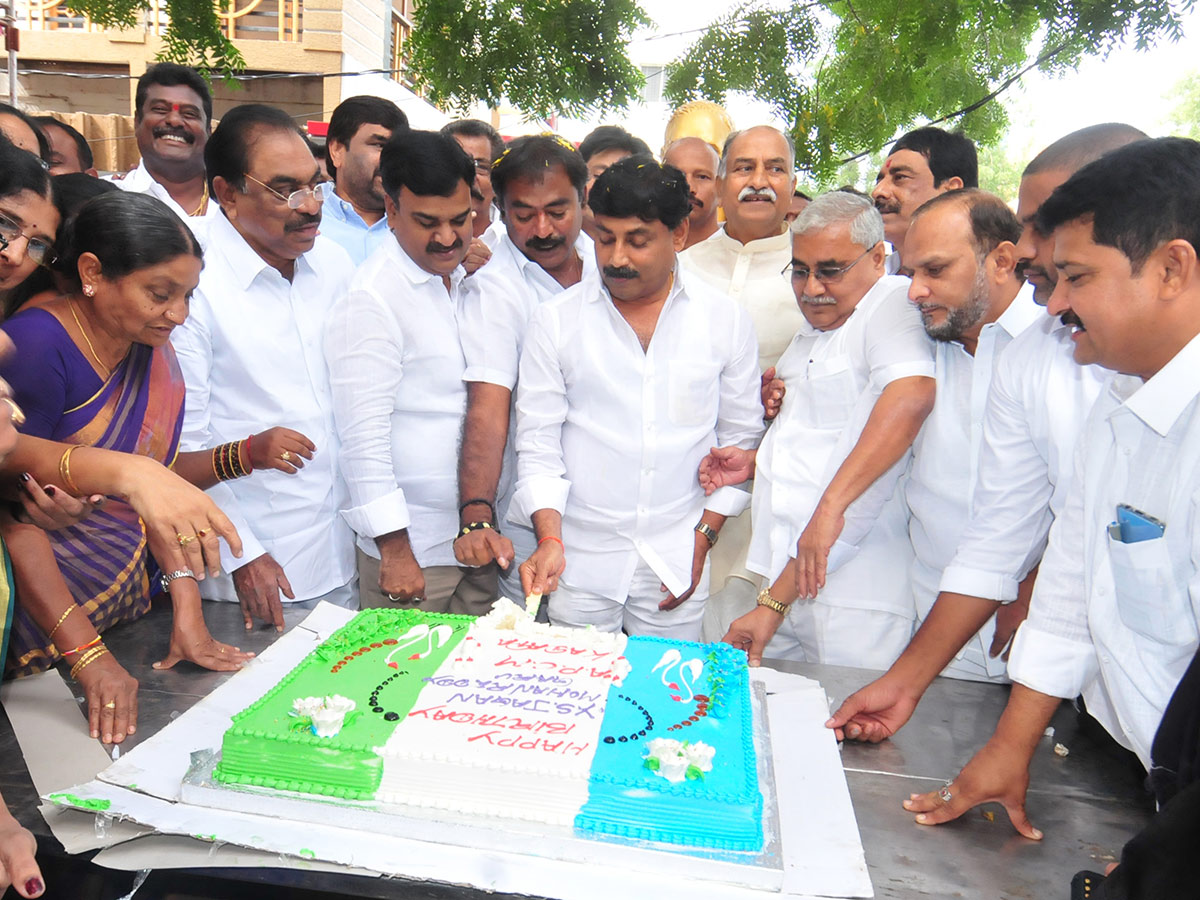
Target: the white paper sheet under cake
pixel 822 852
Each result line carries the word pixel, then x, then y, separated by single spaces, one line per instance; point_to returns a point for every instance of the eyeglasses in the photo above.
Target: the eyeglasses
pixel 823 274
pixel 296 199
pixel 36 249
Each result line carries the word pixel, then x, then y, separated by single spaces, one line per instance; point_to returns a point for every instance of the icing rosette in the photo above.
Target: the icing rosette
pixel 327 714
pixel 677 760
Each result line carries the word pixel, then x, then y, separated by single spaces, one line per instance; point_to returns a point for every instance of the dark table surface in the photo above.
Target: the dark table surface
pixel 1087 803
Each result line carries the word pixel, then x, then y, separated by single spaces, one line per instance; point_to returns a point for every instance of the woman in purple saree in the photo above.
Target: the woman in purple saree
pixel 94 368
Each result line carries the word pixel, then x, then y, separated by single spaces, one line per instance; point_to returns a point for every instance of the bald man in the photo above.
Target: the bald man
pixel 698 161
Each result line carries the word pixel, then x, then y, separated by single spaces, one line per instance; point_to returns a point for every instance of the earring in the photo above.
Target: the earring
pixel 89 291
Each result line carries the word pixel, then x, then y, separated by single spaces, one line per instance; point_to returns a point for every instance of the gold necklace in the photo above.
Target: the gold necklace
pixel 88 341
pixel 203 206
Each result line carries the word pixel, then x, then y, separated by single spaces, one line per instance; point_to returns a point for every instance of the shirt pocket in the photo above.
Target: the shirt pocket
pixel 1149 599
pixel 833 391
pixel 692 394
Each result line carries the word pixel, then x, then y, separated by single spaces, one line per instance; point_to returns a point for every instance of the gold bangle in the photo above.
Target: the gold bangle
pixel 216 474
pixel 88 658
pixel 765 599
pixel 64 470
pixel 70 609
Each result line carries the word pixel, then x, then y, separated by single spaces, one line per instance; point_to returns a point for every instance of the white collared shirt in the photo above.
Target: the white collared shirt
pixel 494 318
pixel 752 274
pixel 945 462
pixel 612 435
pixel 140 181
pixel 941 482
pixel 833 380
pixel 1039 400
pixel 341 222
pixel 252 357
pixel 1121 621
pixel 396 369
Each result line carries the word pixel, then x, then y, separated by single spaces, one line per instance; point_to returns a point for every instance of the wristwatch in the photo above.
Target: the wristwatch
pixel 765 599
pixel 168 577
pixel 709 533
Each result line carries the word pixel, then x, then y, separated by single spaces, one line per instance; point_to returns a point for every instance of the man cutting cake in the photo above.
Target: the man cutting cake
pixel 623 387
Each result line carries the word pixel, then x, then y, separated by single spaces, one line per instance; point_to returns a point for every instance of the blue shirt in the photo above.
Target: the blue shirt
pixel 343 224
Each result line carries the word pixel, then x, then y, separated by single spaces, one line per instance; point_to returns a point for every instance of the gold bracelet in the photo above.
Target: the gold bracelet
pixel 64 470
pixel 765 599
pixel 88 658
pixel 70 609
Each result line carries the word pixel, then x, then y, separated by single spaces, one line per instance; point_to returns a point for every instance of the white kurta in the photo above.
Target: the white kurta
pixel 941 482
pixel 251 355
pixel 1121 621
pixel 752 274
pixel 833 380
pixel 140 181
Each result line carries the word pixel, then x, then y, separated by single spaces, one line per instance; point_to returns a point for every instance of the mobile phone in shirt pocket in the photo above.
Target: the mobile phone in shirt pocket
pixel 692 393
pixel 834 391
pixel 1150 601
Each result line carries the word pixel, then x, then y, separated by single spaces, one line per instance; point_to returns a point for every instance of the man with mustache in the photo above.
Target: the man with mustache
pixel 251 355
pixel 1038 400
pixel 699 162
pixel 172 118
pixel 624 385
pixel 396 367
pixel 919 166
pixel 827 514
pixel 358 129
pixel 746 259
pixel 1114 612
pixel 960 252
pixel 539 182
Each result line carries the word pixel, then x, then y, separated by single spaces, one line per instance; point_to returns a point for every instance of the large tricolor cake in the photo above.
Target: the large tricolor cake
pixel 643 738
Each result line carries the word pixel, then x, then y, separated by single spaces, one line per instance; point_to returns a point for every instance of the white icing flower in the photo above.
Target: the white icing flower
pixel 677 760
pixel 327 722
pixel 306 706
pixel 338 703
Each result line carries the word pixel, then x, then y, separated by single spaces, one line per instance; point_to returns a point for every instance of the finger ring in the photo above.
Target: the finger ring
pixel 945 794
pixel 14 412
pixel 185 539
pixel 285 456
pixel 203 532
pixel 111 704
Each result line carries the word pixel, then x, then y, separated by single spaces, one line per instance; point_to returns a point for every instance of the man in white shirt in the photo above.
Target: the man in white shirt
pixel 746 259
pixel 484 145
pixel 828 516
pixel 1036 407
pixel 919 166
pixel 251 354
pixel 172 119
pixel 542 251
pixel 624 385
pixel 1116 608
pixel 602 147
pixel 358 129
pixel 396 366
pixel 960 252
pixel 699 161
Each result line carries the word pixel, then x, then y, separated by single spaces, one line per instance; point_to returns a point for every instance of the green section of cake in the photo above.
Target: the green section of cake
pixel 379 660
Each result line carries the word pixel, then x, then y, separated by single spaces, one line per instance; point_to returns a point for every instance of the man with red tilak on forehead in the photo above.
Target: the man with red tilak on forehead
pixel 172 120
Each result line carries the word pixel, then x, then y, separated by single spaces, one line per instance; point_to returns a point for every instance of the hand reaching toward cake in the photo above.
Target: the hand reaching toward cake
pixel 753 631
pixel 725 466
pixel 482 546
pixel 258 584
pixel 400 576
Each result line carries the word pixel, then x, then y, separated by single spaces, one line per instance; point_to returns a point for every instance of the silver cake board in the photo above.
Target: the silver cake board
pixel 762 870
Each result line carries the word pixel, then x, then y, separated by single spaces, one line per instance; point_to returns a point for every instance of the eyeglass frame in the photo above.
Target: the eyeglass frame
pixel 791 273
pixel 48 256
pixel 296 198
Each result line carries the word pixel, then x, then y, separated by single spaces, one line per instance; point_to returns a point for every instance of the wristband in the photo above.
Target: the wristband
pixel 487 503
pixel 476 526
pixel 551 537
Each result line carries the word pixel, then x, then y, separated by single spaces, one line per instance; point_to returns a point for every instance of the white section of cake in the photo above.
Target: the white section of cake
pixel 508 727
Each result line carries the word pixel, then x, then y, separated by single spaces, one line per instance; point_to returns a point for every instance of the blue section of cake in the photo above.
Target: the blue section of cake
pixel 686 692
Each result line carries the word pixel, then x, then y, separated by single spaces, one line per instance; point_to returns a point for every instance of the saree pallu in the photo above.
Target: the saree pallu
pixel 103 559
